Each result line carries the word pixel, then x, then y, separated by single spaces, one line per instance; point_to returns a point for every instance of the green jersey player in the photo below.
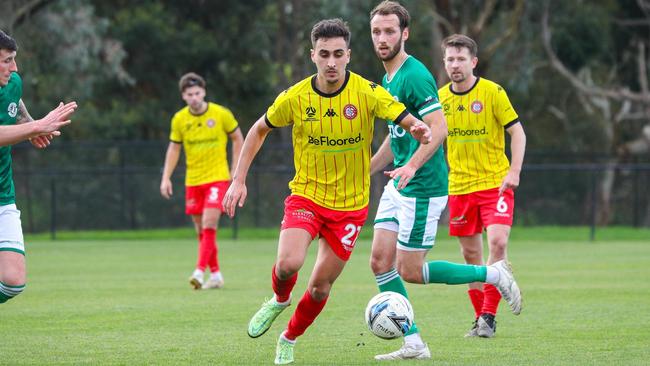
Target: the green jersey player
pixel 17 125
pixel 414 198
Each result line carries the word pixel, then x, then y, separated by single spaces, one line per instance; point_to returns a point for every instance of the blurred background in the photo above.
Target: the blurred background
pixel 576 72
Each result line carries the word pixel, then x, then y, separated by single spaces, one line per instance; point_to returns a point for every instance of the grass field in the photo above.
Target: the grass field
pixel 127 302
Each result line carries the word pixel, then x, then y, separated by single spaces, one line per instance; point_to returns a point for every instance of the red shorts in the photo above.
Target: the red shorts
pixel 470 213
pixel 209 195
pixel 339 228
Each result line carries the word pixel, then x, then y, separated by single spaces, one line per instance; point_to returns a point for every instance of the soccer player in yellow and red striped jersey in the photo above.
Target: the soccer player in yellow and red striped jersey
pixel 332 115
pixel 202 129
pixel 481 180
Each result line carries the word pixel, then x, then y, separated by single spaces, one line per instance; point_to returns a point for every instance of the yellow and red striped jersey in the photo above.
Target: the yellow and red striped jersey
pixel 204 138
pixel 477 120
pixel 332 135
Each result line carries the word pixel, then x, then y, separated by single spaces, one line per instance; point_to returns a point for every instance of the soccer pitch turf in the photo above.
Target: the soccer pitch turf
pixel 128 302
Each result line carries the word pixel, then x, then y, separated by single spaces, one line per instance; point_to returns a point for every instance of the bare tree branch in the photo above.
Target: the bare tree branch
pixel 515 17
pixel 486 13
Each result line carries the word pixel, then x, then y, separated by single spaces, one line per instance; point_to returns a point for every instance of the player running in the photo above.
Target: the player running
pixel 332 115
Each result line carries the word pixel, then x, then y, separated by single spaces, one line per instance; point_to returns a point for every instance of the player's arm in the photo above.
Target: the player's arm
pixel 418 129
pixel 382 157
pixel 48 125
pixel 237 140
pixel 436 122
pixel 171 160
pixel 517 151
pixel 23 116
pixel 236 194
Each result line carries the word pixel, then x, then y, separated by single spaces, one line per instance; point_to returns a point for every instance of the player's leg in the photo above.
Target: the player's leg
pixel 194 197
pixel 210 224
pixel 471 248
pixel 497 214
pixel 327 269
pixel 382 257
pixel 12 254
pixel 292 250
pixel 300 225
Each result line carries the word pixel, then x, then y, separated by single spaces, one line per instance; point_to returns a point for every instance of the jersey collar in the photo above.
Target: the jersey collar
pixel 451 89
pixel 331 95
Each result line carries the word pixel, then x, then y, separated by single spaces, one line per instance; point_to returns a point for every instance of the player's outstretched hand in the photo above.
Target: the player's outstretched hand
pixel 57 118
pixel 421 132
pixel 235 197
pixel 402 174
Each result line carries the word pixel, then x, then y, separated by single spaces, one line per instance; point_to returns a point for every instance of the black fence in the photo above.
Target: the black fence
pixel 115 186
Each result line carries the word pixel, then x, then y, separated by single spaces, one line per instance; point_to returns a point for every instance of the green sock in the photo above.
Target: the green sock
pixel 452 273
pixel 391 281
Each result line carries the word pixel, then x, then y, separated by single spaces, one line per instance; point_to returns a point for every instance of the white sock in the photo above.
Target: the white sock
pixel 414 340
pixel 286 303
pixel 197 274
pixel 216 276
pixel 492 275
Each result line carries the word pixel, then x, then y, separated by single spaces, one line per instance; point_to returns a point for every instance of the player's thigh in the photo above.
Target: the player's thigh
pixel 418 218
pixel 12 247
pixel 210 217
pixel 472 248
pixel 12 268
pixel 495 208
pixel 214 193
pixel 292 250
pixel 341 229
pixel 382 257
pixel 410 260
pixel 464 219
pixel 327 269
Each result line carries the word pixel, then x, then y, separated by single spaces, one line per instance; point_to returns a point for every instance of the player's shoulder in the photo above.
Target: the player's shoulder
pixel 489 86
pixel 182 113
pixel 218 108
pixel 15 78
pixel 361 84
pixel 415 69
pixel 445 90
pixel 295 90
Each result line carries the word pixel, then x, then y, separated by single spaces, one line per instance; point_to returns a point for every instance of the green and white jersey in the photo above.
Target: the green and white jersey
pixel 415 87
pixel 10 96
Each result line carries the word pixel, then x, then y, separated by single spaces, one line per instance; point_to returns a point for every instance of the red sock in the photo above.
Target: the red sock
pixel 492 298
pixel 476 296
pixel 307 310
pixel 205 248
pixel 213 261
pixel 282 288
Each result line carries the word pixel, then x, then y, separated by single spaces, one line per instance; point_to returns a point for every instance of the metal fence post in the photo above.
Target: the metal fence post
pixel 594 203
pixel 53 209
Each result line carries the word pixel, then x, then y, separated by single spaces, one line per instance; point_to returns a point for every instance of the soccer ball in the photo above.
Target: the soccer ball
pixel 389 315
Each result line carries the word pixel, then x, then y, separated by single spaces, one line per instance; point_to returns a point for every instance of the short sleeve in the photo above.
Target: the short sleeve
pixel 279 113
pixel 229 122
pixel 422 93
pixel 386 107
pixel 503 109
pixel 176 135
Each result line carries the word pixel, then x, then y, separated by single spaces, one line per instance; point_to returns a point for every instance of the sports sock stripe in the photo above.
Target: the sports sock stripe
pixel 384 278
pixel 425 273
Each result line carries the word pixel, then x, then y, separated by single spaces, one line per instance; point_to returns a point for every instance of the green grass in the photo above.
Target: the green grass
pixel 127 302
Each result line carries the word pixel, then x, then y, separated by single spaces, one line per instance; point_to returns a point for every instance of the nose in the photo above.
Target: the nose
pixel 14 66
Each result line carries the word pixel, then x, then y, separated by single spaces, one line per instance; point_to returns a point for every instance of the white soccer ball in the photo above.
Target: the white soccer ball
pixel 389 315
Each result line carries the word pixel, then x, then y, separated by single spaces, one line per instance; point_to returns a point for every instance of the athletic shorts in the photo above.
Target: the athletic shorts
pixel 415 220
pixel 11 232
pixel 209 195
pixel 470 213
pixel 339 228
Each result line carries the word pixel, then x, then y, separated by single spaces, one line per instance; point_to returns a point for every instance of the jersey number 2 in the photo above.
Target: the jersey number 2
pixel 352 231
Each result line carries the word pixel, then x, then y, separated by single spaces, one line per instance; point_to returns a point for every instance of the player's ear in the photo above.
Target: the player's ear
pixel 474 61
pixel 405 34
pixel 312 54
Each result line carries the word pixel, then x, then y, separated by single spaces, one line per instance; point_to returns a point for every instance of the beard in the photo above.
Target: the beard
pixel 392 53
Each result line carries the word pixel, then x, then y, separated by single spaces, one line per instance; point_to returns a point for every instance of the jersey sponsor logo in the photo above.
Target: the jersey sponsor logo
pixel 210 123
pixel 395 131
pixel 468 132
pixel 330 113
pixel 476 106
pixel 327 141
pixel 458 220
pixel 12 109
pixel 350 111
pixel 304 215
pixel 311 114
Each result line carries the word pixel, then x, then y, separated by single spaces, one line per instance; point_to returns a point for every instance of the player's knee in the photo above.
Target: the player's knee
pixel 410 273
pixel 380 264
pixel 498 246
pixel 9 291
pixel 320 292
pixel 471 254
pixel 285 268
